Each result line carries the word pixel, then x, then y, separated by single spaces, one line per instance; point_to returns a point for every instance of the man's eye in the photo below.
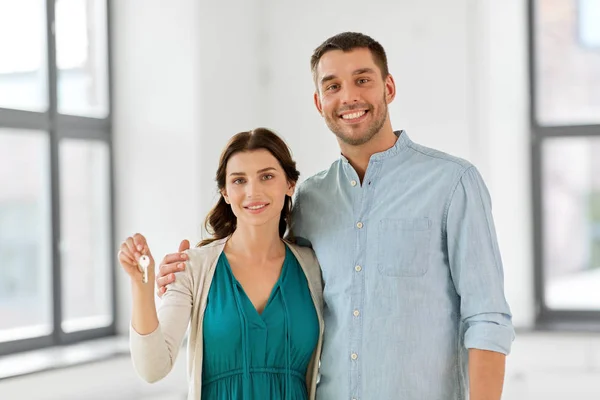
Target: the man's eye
pixel 332 87
pixel 363 80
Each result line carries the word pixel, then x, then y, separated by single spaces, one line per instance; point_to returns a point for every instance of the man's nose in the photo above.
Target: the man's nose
pixel 350 94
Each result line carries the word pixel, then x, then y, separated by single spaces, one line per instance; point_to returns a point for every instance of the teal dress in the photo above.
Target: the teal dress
pixel 252 356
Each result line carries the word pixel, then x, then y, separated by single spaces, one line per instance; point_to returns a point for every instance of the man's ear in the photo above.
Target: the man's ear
pixel 390 89
pixel 317 101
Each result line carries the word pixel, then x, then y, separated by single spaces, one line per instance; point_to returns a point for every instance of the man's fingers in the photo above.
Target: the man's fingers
pixel 173 258
pixel 162 282
pixel 171 268
pixel 184 245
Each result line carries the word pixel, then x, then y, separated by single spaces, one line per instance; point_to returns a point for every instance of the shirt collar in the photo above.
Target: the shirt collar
pixel 401 143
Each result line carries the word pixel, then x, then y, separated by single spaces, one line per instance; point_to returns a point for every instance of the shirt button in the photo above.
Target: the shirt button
pixel 358 268
pixel 359 225
pixel 356 313
pixel 353 183
pixel 354 356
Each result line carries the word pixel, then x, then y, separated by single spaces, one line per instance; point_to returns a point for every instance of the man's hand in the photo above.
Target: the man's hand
pixel 171 263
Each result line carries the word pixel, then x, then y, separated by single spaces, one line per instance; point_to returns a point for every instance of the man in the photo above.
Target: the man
pixel 414 297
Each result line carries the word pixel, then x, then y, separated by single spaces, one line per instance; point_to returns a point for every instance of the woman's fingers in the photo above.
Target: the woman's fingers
pixel 139 242
pixel 131 247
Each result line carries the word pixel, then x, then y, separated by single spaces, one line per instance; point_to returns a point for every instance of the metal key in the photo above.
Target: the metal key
pixel 143 265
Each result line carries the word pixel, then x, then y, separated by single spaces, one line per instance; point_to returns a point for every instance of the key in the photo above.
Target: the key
pixel 143 265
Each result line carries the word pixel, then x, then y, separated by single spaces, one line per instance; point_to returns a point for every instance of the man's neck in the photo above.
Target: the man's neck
pixel 359 156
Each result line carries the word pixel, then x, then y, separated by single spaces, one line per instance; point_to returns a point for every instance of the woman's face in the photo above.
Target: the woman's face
pixel 255 187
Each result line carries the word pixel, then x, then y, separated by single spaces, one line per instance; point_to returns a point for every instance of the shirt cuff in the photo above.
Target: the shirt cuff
pixel 487 335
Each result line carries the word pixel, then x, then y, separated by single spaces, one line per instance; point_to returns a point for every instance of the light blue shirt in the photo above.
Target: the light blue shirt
pixel 412 271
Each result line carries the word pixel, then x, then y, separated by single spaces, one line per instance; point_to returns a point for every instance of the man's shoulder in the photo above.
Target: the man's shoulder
pixel 438 157
pixel 318 180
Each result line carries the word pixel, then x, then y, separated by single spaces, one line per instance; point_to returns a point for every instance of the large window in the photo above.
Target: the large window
pixel 565 83
pixel 56 217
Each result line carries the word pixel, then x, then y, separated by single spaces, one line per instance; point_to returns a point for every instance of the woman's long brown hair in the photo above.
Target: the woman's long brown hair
pixel 221 222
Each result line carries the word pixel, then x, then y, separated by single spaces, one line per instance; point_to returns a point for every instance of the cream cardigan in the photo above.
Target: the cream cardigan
pixel 154 354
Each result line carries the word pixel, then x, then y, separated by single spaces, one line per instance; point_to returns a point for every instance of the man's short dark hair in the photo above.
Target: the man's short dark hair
pixel 348 41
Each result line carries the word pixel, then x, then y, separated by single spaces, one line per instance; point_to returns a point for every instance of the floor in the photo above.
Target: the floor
pixel 542 366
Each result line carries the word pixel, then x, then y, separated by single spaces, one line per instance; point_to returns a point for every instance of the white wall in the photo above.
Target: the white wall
pixel 189 76
pixel 156 124
pixel 504 128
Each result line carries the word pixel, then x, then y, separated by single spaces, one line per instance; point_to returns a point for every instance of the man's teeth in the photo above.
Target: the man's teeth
pixel 256 207
pixel 354 115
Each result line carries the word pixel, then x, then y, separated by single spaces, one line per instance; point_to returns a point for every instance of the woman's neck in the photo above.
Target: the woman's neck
pixel 260 243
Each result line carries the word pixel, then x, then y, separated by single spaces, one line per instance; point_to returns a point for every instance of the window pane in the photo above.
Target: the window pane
pixel 23 77
pixel 589 28
pixel 568 64
pixel 25 235
pixel 81 57
pixel 85 231
pixel 571 212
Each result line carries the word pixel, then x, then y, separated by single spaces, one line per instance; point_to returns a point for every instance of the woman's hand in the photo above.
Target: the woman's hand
pixel 144 319
pixel 129 256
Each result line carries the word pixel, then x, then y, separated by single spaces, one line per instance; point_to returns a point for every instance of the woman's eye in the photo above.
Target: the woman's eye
pixel 238 181
pixel 267 177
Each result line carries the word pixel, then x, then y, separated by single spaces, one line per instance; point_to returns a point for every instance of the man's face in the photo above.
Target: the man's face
pixel 351 94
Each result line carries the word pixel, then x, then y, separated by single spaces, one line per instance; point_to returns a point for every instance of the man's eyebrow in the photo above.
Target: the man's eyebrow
pixel 359 71
pixel 327 78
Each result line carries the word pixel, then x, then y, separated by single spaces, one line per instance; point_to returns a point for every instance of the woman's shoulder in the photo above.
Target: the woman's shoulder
pixel 310 265
pixel 305 254
pixel 305 251
pixel 203 257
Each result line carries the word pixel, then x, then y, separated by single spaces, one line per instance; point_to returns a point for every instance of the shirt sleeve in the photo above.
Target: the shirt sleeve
pixel 154 354
pixel 476 266
pixel 297 226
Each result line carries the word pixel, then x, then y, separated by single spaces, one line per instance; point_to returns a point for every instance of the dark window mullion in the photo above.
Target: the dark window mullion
pixel 566 131
pixel 18 119
pixel 72 121
pixel 54 166
pixel 536 174
pixel 89 133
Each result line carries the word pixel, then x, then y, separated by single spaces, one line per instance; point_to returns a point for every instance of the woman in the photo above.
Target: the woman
pixel 253 298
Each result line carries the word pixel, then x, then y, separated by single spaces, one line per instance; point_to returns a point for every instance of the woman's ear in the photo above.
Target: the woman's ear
pixel 291 189
pixel 225 197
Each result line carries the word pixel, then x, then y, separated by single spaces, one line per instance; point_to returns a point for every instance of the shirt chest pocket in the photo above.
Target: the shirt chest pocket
pixel 404 247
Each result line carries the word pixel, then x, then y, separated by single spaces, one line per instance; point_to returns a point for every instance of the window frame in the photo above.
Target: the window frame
pixel 58 127
pixel 545 317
